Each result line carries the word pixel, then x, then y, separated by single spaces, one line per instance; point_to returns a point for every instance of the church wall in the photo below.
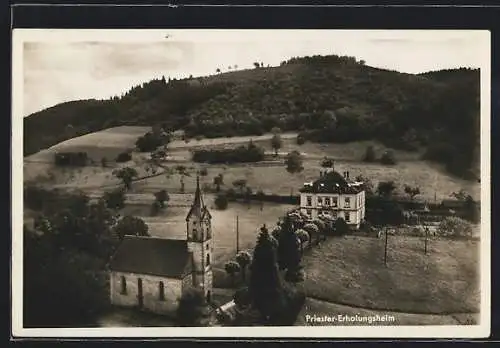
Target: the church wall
pixel 150 290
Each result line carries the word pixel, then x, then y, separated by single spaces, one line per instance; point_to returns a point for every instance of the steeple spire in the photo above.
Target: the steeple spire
pixel 198 200
pixel 198 206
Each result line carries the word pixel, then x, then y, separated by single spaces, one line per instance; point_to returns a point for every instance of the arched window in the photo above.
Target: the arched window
pixel 208 259
pixel 123 285
pixel 161 291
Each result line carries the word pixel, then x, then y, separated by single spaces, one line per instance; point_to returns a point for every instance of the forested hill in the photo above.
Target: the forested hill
pixel 328 98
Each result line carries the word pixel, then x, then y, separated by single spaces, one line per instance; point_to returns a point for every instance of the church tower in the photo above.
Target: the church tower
pixel 199 240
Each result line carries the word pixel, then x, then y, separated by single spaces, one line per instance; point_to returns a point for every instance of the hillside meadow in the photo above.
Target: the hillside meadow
pixel 350 270
pixel 433 180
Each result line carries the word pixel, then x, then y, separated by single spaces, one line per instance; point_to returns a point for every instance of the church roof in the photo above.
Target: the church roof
pixel 332 182
pixel 154 256
pixel 198 207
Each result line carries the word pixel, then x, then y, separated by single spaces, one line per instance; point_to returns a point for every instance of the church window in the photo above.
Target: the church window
pixel 208 259
pixel 161 289
pixel 123 285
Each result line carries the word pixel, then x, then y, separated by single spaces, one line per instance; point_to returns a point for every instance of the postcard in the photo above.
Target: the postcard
pixel 251 183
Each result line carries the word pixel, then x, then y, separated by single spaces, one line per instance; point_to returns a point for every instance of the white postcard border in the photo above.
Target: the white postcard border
pixel 19 36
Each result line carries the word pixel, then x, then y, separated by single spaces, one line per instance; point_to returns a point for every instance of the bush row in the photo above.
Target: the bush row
pixel 240 154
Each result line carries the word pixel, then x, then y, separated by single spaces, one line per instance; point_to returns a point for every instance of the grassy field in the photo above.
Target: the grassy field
pixel 172 224
pixel 106 143
pixel 351 271
pixel 433 182
pixel 431 178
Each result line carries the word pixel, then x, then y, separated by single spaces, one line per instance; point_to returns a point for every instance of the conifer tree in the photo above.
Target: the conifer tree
pixel 289 249
pixel 266 289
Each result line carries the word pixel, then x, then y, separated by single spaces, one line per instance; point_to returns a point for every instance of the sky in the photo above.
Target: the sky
pixel 64 65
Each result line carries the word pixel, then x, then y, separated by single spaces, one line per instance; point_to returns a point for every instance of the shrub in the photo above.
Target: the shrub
pixel 149 142
pixel 242 297
pixel 453 226
pixel 341 227
pixel 240 154
pixel 369 154
pixel 192 309
pixel 221 202
pixel 155 208
pixel 115 199
pixel 388 158
pixel 365 226
pixel 124 157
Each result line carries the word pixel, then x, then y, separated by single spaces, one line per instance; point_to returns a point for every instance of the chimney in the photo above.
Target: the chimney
pixel 347 174
pixel 333 165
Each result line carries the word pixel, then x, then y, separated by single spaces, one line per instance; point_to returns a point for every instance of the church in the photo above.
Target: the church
pixel 151 273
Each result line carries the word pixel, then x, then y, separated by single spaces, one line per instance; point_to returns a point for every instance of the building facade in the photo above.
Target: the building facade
pixel 151 274
pixel 334 195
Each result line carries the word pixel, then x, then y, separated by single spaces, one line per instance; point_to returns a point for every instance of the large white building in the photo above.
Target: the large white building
pixel 334 195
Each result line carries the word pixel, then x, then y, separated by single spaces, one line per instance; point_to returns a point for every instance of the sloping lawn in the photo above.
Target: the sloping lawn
pixel 350 270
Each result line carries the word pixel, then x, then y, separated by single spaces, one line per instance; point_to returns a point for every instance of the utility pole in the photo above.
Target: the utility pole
pixel 237 235
pixel 385 248
pixel 426 237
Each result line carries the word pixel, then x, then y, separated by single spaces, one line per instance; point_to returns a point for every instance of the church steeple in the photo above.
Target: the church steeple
pixel 199 241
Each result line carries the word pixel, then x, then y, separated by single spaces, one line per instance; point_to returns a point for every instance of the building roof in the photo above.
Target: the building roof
pixel 154 256
pixel 332 182
pixel 198 207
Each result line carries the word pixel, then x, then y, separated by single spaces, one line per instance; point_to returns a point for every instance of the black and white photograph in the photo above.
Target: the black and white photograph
pixel 237 183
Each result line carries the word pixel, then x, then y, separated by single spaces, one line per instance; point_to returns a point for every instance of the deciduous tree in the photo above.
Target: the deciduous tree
pixel 131 226
pixel 244 258
pixel 127 175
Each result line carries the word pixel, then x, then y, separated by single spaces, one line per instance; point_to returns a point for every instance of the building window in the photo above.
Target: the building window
pixel 208 259
pixel 309 201
pixel 161 291
pixel 123 285
pixel 347 202
pixel 327 201
pixel 347 217
pixel 309 212
pixel 320 201
pixel 335 201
